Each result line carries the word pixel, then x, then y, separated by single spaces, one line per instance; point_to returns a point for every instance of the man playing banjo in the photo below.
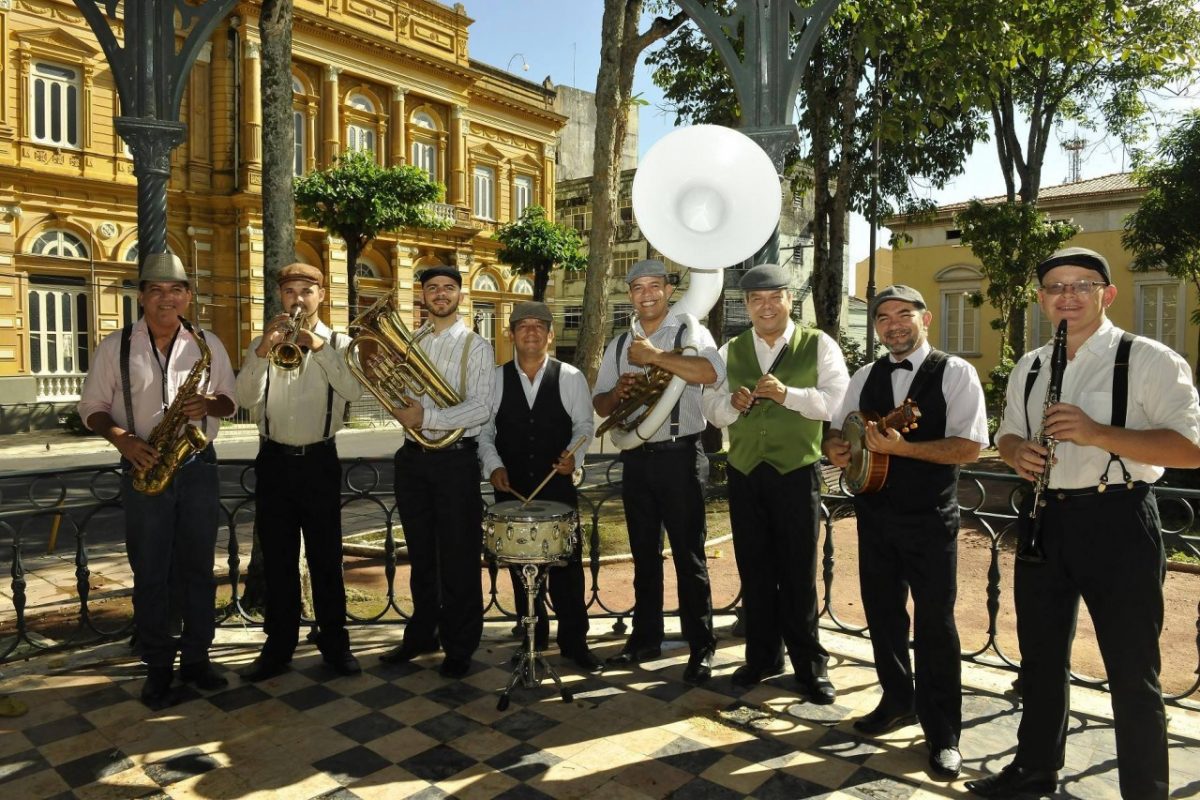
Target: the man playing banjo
pixel 908 529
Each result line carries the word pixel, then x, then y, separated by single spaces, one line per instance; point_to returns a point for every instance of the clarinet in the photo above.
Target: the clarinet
pixel 1030 547
pixel 774 366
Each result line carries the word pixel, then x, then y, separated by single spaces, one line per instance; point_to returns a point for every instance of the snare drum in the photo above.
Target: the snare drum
pixel 543 532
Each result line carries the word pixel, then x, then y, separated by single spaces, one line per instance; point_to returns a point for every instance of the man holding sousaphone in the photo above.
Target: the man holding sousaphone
pixel 542 408
pixel 782 383
pixel 908 526
pixel 660 485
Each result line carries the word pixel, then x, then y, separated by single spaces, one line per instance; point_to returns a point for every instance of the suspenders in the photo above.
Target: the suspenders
pixel 678 342
pixel 328 397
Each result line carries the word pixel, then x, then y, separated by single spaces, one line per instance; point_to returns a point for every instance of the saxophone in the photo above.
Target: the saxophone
pixel 174 437
pixel 1030 546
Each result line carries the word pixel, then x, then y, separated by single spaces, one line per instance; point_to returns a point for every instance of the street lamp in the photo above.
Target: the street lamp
pixel 151 75
pixel 524 63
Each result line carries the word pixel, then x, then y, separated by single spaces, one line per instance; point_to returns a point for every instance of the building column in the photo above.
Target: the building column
pixel 399 124
pixel 457 185
pixel 331 105
pixel 547 179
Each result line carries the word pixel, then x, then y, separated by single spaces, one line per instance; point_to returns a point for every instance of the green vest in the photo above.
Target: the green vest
pixel 782 438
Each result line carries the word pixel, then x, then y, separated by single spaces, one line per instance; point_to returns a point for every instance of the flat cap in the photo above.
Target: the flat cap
pixel 897 291
pixel 441 271
pixel 529 309
pixel 1076 257
pixel 300 272
pixel 764 276
pixel 646 268
pixel 163 268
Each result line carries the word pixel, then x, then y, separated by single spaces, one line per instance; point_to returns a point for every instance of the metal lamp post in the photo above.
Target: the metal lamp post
pixel 150 74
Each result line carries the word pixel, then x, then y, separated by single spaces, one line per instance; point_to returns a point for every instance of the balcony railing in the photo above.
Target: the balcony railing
pixel 60 387
pixel 444 211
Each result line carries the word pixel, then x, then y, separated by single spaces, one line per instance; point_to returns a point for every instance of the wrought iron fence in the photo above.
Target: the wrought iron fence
pixel 84 503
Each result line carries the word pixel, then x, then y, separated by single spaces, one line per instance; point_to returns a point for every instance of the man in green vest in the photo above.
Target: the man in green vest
pixel 782 383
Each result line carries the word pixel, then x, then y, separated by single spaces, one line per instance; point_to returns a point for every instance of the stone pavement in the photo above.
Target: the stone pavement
pixel 408 732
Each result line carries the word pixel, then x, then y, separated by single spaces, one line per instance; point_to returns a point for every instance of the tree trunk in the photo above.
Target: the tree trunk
pixel 354 246
pixel 541 279
pixel 279 226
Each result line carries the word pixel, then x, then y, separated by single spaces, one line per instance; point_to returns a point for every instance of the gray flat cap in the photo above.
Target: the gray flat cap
pixel 646 268
pixel 1076 257
pixel 163 268
pixel 529 309
pixel 764 276
pixel 897 291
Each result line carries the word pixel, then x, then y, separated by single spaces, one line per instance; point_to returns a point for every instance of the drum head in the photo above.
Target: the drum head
pixel 538 509
pixel 854 431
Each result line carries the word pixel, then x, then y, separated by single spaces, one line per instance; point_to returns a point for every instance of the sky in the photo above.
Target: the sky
pixel 561 39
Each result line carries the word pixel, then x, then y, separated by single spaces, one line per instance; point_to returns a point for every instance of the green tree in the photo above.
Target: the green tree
pixel 1164 232
pixel 1009 239
pixel 356 200
pixel 533 245
pixel 279 211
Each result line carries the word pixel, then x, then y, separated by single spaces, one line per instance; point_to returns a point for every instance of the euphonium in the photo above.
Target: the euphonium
pixel 392 366
pixel 174 437
pixel 286 354
pixel 1030 548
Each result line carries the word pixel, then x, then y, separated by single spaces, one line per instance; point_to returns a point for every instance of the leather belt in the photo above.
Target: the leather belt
pixel 678 443
pixel 271 446
pixel 1087 491
pixel 465 443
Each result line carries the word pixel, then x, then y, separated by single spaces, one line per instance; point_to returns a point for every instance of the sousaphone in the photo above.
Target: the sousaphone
pixel 705 197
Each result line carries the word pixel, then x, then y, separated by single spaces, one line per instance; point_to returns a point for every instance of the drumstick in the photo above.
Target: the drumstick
pixel 546 480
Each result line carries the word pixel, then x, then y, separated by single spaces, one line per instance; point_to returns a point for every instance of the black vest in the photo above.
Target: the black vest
pixel 530 440
pixel 913 485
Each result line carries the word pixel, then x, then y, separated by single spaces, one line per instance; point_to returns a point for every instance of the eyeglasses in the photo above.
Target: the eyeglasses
pixel 1075 287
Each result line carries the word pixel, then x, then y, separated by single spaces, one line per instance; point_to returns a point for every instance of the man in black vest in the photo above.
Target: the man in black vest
pixel 1127 409
pixel 908 530
pixel 542 406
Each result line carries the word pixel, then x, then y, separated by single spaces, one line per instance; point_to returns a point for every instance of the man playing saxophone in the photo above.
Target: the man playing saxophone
pixel 138 376
pixel 1127 410
pixel 661 485
pixel 297 383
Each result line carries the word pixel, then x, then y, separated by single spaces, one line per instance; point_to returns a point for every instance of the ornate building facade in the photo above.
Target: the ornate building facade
pixel 390 76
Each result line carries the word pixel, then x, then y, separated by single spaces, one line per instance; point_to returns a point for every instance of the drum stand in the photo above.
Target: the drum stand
pixel 525 671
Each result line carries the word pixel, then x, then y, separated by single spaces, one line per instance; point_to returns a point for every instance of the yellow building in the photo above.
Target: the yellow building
pixel 946 273
pixel 393 78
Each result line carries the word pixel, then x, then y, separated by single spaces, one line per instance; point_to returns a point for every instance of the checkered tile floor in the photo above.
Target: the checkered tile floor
pixel 408 732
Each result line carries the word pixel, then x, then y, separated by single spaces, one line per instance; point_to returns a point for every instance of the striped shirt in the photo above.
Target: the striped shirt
pixel 476 387
pixel 691 414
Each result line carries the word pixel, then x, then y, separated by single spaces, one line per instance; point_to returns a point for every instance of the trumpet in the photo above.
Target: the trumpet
pixel 286 354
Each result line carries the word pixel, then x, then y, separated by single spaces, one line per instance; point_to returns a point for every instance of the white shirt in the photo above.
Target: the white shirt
pixel 1161 397
pixel 445 351
pixel 576 400
pixel 815 402
pixel 691 415
pixel 966 414
pixel 297 401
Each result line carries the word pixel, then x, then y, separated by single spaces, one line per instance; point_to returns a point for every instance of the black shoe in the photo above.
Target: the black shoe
pixel 945 762
pixel 262 668
pixel 585 659
pixel 748 675
pixel 1013 781
pixel 203 676
pixel 632 654
pixel 156 692
pixel 403 653
pixel 454 667
pixel 343 663
pixel 699 667
pixel 818 689
pixel 881 721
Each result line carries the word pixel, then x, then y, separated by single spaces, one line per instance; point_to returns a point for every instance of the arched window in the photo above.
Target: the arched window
pixel 522 286
pixel 131 254
pixel 424 144
pixel 62 244
pixel 299 128
pixel 365 269
pixel 485 283
pixel 361 132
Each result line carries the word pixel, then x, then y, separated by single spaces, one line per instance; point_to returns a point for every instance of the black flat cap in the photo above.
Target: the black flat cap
pixel 646 268
pixel 529 309
pixel 441 271
pixel 1076 257
pixel 897 291
pixel 764 276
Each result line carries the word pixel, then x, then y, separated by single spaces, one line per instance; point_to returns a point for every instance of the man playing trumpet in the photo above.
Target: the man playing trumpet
pixel 297 384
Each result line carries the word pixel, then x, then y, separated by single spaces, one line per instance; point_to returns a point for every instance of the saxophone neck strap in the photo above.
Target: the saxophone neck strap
pixel 126 386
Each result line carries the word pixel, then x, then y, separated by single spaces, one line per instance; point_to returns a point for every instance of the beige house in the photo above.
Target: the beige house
pixel 395 79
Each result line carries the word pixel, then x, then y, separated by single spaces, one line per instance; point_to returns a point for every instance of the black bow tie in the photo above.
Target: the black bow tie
pixel 891 366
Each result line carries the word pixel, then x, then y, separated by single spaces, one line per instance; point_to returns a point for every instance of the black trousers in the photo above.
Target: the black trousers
pixel 661 488
pixel 917 552
pixel 1106 548
pixel 301 495
pixel 776 519
pixel 438 501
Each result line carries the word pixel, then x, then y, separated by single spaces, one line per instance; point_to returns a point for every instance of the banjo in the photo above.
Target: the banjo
pixel 867 470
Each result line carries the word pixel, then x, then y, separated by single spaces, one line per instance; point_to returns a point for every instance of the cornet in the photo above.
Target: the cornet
pixel 286 354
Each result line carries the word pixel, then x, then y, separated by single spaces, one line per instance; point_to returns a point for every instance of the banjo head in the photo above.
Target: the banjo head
pixel 858 471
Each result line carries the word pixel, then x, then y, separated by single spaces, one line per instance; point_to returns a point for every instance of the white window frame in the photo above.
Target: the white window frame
pixel 424 150
pixel 1038 322
pixel 1153 329
pixel 63 340
pixel 47 111
pixel 361 134
pixel 484 314
pixel 58 240
pixel 522 195
pixel 522 285
pixel 955 341
pixel 483 195
pixel 485 283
